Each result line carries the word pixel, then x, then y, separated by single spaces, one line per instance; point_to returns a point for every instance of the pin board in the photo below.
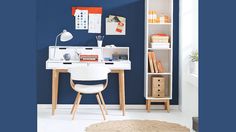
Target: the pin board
pixel 88 18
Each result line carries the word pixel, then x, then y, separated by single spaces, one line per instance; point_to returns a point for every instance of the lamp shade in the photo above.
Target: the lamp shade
pixel 66 36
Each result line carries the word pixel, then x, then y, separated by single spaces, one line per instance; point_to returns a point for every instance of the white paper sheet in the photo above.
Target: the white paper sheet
pixel 95 21
pixel 81 19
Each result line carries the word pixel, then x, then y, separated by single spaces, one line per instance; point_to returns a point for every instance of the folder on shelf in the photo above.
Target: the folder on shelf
pixel 150 62
pixel 160 66
pixel 154 62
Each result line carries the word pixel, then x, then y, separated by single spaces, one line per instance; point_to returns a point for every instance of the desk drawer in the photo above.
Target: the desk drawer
pixel 67 65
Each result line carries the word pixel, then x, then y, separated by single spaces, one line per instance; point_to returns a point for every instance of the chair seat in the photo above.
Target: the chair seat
pixel 89 89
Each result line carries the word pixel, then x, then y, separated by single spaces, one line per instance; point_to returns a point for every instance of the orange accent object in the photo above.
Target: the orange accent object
pixel 88 58
pixel 163 19
pixel 154 16
pixel 149 16
pixel 160 34
pixel 120 27
pixel 91 10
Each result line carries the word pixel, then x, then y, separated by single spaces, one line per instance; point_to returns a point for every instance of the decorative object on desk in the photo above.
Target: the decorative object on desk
pixel 88 58
pixel 136 126
pixel 66 56
pixel 123 57
pixel 194 62
pixel 64 36
pixel 115 57
pixel 94 18
pixel 158 87
pixel 115 25
pixel 99 40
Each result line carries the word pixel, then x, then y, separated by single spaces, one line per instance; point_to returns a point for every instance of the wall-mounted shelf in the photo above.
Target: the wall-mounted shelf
pixel 164 55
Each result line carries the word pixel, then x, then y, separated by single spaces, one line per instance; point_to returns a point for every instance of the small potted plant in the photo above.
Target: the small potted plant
pixel 194 62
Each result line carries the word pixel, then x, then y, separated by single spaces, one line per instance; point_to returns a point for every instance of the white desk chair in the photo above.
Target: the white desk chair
pixel 89 73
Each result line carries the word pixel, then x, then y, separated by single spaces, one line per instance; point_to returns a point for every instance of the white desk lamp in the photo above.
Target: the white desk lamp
pixel 64 36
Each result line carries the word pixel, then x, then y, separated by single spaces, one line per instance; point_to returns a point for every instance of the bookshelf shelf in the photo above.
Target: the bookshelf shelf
pixel 160 24
pixel 161 55
pixel 159 48
pixel 159 73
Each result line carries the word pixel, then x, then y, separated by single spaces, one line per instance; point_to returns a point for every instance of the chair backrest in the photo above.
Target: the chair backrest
pixel 89 73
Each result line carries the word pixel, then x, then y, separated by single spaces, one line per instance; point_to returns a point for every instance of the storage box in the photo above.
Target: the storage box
pixel 158 87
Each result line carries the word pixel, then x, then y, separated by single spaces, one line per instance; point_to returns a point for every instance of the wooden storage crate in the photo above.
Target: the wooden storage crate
pixel 158 87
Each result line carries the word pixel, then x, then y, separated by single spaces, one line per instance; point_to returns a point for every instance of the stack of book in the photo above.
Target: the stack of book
pixel 160 41
pixel 155 65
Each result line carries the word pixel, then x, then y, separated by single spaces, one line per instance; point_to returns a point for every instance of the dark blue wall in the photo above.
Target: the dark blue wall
pixel 55 15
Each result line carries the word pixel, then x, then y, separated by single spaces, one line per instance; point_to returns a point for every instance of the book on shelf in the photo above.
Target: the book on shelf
pixel 154 62
pixel 155 65
pixel 160 67
pixel 150 62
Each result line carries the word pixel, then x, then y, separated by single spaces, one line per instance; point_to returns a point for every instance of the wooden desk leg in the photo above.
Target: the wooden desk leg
pixel 168 105
pixel 122 90
pixel 148 105
pixel 55 76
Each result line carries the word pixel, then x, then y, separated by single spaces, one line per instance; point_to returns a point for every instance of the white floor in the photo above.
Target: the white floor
pixel 62 120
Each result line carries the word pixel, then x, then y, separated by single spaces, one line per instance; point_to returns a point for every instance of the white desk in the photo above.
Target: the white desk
pixel 59 65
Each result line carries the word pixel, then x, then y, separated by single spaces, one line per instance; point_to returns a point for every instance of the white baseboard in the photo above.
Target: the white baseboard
pixel 111 107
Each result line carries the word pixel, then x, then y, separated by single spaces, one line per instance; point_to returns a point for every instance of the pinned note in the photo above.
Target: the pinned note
pixel 115 25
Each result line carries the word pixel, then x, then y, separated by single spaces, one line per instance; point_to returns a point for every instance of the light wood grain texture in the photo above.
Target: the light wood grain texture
pixel 122 90
pixel 100 105
pixel 165 101
pixel 154 62
pixel 168 105
pixel 150 62
pixel 160 67
pixel 148 105
pixel 55 77
pixel 76 100
pixel 76 106
pixel 103 102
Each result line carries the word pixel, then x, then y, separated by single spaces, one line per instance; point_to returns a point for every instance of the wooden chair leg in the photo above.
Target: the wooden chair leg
pixel 76 106
pixel 100 105
pixel 103 102
pixel 76 100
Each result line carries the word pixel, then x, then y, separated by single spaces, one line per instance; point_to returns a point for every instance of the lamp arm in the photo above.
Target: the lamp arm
pixel 56 45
